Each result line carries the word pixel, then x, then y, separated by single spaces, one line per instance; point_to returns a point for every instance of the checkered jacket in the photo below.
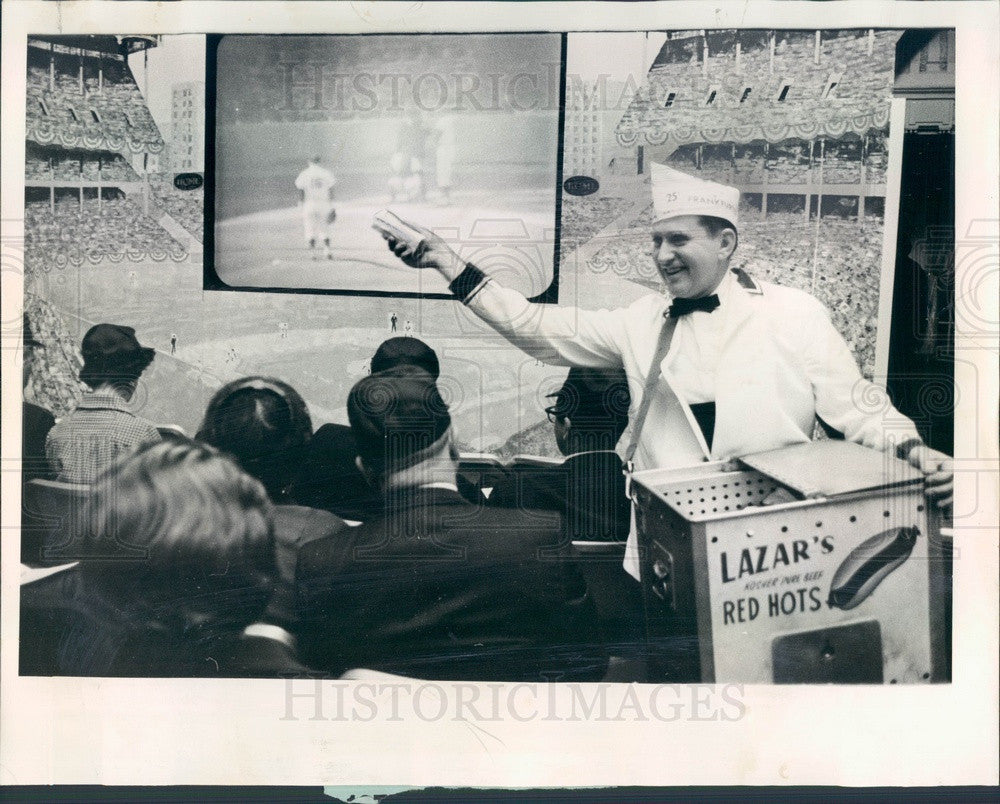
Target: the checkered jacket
pixel 94 436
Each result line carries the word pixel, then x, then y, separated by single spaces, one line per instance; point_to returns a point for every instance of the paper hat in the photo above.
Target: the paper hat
pixel 676 194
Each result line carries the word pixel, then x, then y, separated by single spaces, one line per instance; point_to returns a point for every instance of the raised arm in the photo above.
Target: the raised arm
pixel 563 336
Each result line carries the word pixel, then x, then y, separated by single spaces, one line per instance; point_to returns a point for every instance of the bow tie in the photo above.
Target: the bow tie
pixel 681 307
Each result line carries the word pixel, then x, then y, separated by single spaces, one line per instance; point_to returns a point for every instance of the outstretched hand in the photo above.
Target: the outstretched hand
pixel 432 253
pixel 938 474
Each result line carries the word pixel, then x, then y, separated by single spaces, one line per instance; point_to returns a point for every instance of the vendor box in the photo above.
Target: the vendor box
pixel 818 563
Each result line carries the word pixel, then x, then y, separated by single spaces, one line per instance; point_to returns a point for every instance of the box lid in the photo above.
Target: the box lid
pixel 829 468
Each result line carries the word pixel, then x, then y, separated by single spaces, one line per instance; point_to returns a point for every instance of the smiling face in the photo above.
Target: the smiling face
pixel 691 260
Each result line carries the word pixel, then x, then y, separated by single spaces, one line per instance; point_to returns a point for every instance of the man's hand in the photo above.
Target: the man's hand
pixel 938 473
pixel 434 253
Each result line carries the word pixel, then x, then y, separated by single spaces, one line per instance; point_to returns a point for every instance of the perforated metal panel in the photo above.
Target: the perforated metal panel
pixel 706 498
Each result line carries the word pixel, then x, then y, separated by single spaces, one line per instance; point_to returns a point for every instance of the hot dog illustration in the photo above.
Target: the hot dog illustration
pixel 868 564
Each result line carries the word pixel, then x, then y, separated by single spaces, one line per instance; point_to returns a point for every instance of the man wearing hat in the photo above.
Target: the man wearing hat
pixel 101 428
pixel 723 366
pixel 330 479
pixel 434 586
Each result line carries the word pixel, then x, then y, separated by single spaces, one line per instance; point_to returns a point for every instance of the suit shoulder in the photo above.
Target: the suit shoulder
pixel 333 436
pixel 301 522
pixel 323 553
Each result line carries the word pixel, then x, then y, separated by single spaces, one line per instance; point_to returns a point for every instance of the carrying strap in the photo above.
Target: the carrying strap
pixel 652 377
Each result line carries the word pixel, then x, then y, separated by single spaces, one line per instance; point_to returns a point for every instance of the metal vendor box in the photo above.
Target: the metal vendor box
pixel 820 562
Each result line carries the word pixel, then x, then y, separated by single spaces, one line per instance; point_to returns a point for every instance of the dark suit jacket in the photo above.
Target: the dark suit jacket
pixel 329 478
pixel 587 489
pixel 294 526
pixel 68 629
pixel 439 588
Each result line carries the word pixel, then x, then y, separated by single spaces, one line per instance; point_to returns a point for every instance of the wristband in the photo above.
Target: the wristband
pixel 468 283
pixel 904 448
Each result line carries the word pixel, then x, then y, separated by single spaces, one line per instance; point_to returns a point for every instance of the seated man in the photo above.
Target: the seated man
pixel 434 587
pixel 102 429
pixel 329 478
pixel 589 416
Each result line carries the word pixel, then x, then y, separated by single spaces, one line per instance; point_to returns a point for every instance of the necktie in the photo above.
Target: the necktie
pixel 681 307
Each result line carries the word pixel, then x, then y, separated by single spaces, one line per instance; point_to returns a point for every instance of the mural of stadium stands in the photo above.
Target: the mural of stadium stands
pixel 96 182
pixel 797 120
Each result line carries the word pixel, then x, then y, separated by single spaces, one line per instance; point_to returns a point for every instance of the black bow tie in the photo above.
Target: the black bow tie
pixel 681 307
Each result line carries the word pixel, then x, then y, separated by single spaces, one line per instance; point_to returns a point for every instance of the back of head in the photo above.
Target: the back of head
pixel 264 424
pixel 192 530
pixel 398 419
pixel 405 352
pixel 596 402
pixel 113 356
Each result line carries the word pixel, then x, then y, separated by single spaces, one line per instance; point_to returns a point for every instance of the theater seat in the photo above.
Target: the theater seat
pixel 478 474
pixel 171 432
pixel 51 519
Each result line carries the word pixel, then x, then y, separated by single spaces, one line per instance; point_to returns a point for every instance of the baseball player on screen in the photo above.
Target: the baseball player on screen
pixel 315 184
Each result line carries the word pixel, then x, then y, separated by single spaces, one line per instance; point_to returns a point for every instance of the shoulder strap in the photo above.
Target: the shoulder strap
pixel 652 376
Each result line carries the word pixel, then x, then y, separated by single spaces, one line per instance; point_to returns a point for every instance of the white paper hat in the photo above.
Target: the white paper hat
pixel 676 194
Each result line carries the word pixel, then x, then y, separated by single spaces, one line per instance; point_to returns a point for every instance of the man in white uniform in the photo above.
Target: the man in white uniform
pixel 761 360
pixel 315 185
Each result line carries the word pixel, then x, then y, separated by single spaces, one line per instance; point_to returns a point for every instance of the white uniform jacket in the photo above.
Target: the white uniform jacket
pixel 778 363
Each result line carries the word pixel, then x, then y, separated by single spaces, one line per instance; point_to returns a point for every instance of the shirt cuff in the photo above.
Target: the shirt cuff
pixel 468 283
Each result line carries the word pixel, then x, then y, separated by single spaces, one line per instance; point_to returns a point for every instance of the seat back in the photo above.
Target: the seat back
pixel 365 674
pixel 530 472
pixel 480 472
pixel 52 522
pixel 171 432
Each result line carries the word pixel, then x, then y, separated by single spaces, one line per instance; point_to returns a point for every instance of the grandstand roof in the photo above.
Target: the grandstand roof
pixel 111 45
pixel 74 111
pixel 762 96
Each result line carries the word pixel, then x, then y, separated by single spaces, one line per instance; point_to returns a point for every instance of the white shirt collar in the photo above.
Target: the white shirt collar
pixel 724 288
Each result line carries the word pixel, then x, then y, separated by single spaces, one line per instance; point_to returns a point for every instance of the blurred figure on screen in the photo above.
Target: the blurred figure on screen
pixel 315 185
